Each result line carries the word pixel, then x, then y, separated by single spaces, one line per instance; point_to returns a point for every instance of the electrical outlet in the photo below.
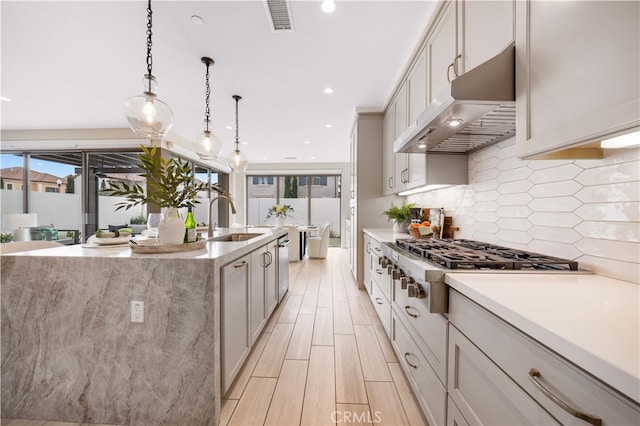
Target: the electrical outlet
pixel 137 311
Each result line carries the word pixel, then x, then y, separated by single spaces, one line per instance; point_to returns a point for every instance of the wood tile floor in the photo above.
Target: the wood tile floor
pixel 323 358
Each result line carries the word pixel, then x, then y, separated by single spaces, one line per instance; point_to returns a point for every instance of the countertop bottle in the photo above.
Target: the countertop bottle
pixel 190 227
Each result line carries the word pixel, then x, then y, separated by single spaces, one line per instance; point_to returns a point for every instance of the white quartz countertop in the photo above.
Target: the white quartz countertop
pixel 591 320
pixel 213 250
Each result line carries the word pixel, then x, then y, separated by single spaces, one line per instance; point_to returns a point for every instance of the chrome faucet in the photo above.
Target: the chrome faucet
pixel 233 211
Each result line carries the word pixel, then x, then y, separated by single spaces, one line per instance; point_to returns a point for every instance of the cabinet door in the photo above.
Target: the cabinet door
pixel 418 87
pixel 388 156
pixel 235 339
pixel 441 51
pixel 257 295
pixel 577 80
pixel 401 171
pixel 271 278
pixel 485 29
pixel 483 393
pixel 354 164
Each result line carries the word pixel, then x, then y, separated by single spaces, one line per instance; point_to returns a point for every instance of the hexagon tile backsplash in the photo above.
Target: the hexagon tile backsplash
pixel 584 210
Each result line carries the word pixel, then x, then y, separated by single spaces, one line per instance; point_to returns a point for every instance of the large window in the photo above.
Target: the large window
pixel 62 196
pixel 315 199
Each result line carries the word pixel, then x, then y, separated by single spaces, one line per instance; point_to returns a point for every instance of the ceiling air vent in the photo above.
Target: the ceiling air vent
pixel 279 15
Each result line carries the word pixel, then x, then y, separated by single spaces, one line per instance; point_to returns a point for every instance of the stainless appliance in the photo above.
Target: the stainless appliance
pixel 419 266
pixel 476 110
pixel 283 266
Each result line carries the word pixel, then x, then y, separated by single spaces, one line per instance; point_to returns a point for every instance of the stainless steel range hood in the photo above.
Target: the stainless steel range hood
pixel 482 101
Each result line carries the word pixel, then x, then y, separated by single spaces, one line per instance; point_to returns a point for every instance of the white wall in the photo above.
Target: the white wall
pixel 584 210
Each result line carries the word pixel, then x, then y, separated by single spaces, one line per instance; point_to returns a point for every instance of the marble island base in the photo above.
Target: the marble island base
pixel 71 353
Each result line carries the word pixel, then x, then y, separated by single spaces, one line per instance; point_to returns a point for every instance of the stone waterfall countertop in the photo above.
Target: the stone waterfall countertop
pixel 71 353
pixel 591 320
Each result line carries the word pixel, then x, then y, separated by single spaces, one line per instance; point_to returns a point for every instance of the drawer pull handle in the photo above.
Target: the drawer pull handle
pixel 535 376
pixel 406 358
pixel 406 309
pixel 240 264
pixel 379 301
pixel 379 271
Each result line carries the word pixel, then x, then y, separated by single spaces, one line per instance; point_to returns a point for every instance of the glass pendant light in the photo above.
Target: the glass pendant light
pixel 147 114
pixel 207 145
pixel 238 161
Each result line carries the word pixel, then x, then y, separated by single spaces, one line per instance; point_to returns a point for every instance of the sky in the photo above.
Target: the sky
pixel 56 169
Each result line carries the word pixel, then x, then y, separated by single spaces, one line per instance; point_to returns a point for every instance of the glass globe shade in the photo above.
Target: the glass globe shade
pixel 238 162
pixel 207 145
pixel 146 113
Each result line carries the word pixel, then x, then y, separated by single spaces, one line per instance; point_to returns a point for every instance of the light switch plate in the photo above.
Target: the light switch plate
pixel 137 311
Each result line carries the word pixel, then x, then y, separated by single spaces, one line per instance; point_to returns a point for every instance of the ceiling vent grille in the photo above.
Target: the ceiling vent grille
pixel 279 15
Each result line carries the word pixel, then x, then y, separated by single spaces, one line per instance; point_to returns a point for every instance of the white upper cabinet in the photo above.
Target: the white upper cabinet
pixel 401 169
pixel 388 156
pixel 418 87
pixel 577 68
pixel 485 29
pixel 441 51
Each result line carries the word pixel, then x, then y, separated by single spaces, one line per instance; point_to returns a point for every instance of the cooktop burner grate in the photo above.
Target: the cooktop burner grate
pixel 468 254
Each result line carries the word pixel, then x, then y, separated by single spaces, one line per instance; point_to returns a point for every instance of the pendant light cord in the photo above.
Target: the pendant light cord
pixel 149 43
pixel 237 137
pixel 207 111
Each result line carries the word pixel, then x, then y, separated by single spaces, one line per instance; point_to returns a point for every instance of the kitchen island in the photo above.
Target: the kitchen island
pixel 71 353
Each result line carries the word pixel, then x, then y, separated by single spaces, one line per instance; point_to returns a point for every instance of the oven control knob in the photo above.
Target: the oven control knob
pixel 389 269
pixel 397 274
pixel 415 290
pixel 405 281
pixel 385 262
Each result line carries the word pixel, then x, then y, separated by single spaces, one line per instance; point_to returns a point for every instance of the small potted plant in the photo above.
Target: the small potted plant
pixel 170 185
pixel 281 211
pixel 400 215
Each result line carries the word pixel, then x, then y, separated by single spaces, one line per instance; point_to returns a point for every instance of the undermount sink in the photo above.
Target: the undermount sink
pixel 240 236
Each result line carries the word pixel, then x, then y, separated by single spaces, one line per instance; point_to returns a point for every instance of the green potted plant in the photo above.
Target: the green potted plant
pixel 400 215
pixel 169 184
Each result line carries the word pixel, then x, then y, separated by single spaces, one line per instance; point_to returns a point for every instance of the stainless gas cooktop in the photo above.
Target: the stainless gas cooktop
pixel 475 255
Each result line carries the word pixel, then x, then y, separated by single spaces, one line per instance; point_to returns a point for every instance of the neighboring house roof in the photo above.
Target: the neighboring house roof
pixel 15 173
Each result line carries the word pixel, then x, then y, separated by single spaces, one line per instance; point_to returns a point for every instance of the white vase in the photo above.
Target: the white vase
pixel 280 221
pixel 397 227
pixel 171 228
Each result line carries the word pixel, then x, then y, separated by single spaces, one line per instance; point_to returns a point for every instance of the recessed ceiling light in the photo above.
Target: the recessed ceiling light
pixel 228 127
pixel 422 145
pixel 313 158
pixel 328 126
pixel 197 20
pixel 328 6
pixel 454 122
pixel 244 143
pixel 2 98
pixel 307 142
pixel 328 90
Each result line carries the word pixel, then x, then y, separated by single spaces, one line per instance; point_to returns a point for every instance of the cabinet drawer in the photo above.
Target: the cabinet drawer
pixel 483 393
pixel 430 329
pixel 376 248
pixel 430 393
pixel 382 306
pixel 517 354
pixel 380 277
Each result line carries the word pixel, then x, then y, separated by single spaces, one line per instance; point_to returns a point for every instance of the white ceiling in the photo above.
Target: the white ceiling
pixel 72 64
